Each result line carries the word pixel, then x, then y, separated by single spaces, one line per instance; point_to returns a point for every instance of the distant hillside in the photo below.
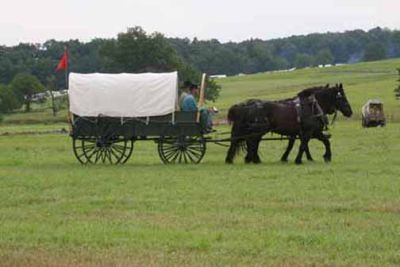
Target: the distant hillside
pixel 257 55
pixel 362 81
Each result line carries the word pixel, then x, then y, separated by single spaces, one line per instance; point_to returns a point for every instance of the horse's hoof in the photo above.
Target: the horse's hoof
pixel 298 162
pixel 284 160
pixel 229 161
pixel 257 161
pixel 310 159
pixel 327 160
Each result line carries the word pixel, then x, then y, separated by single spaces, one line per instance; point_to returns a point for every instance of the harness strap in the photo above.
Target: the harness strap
pixel 324 119
pixel 297 106
pixel 314 106
pixel 320 111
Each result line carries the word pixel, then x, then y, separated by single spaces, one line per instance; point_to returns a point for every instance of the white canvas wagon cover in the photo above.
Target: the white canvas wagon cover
pixel 378 107
pixel 123 95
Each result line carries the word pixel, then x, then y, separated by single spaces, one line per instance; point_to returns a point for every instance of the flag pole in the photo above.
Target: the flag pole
pixel 69 115
pixel 66 68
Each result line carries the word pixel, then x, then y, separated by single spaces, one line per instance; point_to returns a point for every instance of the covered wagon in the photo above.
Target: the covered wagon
pixel 109 112
pixel 372 113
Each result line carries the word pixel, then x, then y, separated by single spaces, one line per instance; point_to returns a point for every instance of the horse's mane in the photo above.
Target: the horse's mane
pixel 304 93
pixel 310 91
pixel 286 100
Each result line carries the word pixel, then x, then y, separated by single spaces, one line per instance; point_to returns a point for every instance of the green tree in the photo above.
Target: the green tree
pixel 397 90
pixel 279 63
pixel 136 51
pixel 51 87
pixel 324 57
pixel 374 51
pixel 303 60
pixel 24 87
pixel 8 100
pixel 212 90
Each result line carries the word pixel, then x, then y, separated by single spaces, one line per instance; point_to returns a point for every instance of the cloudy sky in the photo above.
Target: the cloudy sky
pixel 226 20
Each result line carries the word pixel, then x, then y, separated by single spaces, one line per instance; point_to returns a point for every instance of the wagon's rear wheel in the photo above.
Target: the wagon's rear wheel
pixel 102 150
pixel 183 149
pixel 363 122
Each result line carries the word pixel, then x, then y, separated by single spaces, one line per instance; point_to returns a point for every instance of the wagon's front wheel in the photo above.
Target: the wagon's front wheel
pixel 182 149
pixel 102 150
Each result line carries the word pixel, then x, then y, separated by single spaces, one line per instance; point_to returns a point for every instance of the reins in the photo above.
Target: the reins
pixel 334 117
pixel 244 137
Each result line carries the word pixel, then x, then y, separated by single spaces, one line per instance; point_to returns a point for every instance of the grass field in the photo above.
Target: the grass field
pixel 361 82
pixel 55 212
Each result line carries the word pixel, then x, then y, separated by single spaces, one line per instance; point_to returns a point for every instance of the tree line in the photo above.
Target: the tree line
pixel 257 55
pixel 27 69
pixel 138 51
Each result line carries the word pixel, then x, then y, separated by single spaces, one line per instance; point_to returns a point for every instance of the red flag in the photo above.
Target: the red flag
pixel 63 64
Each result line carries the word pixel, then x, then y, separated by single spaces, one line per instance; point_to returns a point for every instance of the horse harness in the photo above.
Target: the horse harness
pixel 259 120
pixel 299 103
pixel 316 110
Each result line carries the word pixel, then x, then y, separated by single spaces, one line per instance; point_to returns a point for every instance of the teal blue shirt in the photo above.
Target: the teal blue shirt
pixel 189 104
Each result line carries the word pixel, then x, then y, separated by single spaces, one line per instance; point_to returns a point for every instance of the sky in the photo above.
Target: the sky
pixel 36 21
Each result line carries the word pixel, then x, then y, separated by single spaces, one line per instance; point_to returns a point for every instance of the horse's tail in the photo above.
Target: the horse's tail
pixel 238 143
pixel 234 114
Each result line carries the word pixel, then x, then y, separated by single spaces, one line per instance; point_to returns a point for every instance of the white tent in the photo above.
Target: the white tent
pixel 123 95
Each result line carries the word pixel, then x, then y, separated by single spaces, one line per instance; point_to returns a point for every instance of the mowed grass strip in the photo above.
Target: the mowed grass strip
pixel 55 212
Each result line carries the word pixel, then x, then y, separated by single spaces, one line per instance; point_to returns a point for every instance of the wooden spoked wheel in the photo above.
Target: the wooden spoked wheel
pixel 102 150
pixel 183 149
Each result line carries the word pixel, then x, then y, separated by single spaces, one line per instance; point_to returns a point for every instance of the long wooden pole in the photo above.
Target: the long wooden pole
pixel 69 115
pixel 201 96
pixel 66 68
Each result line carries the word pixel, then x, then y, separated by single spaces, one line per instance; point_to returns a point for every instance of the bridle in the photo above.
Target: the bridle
pixel 320 113
pixel 338 97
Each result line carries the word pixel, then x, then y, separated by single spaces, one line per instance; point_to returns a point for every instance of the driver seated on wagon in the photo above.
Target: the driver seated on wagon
pixel 187 103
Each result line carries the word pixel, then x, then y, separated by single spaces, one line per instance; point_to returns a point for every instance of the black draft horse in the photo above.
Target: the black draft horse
pixel 303 116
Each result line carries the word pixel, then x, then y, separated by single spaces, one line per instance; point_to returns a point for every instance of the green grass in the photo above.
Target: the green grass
pixel 35 117
pixel 361 82
pixel 55 212
pixel 30 128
